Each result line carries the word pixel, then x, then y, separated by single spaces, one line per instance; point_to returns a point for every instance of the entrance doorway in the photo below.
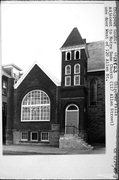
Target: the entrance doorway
pixel 71 119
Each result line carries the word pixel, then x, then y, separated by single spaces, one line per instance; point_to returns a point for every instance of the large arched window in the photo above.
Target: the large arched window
pixel 35 106
pixel 93 92
pixel 67 70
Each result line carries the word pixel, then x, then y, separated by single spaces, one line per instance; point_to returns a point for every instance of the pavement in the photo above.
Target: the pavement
pixel 47 150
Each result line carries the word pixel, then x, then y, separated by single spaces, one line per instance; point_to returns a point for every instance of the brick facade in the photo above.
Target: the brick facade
pixel 96 113
pixel 36 79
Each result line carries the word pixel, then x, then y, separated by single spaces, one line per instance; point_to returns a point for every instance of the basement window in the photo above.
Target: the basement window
pixel 24 136
pixel 44 136
pixel 34 136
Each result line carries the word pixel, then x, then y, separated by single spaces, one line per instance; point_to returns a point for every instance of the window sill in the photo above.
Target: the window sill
pixel 47 141
pixel 24 140
pixel 35 121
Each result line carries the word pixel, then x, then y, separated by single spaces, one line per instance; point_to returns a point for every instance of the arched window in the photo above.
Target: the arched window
pixel 68 55
pixel 77 54
pixel 77 76
pixel 67 70
pixel 72 107
pixel 93 92
pixel 76 68
pixel 35 106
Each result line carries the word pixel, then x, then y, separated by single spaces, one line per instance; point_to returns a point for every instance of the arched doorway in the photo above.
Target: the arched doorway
pixel 71 119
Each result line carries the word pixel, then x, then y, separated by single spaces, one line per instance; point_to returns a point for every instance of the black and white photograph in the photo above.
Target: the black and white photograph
pixel 59 85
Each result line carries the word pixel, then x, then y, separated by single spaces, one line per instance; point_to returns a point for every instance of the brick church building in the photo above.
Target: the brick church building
pixel 41 110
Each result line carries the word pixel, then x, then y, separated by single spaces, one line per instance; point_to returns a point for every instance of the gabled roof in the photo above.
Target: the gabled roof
pixel 96 61
pixel 56 82
pixel 73 39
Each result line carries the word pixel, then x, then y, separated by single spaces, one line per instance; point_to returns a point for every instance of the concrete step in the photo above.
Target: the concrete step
pixel 73 142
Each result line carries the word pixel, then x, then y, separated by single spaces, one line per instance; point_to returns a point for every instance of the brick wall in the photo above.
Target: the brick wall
pixel 54 138
pixel 96 113
pixel 36 79
pixel 10 114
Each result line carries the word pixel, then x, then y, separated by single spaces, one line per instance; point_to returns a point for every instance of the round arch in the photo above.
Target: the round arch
pixel 35 106
pixel 72 107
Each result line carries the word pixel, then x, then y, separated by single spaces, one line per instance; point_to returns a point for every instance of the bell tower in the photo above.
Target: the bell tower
pixel 73 83
pixel 74 60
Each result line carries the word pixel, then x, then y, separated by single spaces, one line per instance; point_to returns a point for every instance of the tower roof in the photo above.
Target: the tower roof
pixel 73 39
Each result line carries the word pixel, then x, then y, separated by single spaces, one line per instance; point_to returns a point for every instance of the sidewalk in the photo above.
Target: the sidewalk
pixel 46 150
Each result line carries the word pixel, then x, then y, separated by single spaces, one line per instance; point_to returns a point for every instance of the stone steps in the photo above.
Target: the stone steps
pixel 73 142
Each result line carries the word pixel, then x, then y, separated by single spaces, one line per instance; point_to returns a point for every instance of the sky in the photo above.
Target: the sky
pixel 32 31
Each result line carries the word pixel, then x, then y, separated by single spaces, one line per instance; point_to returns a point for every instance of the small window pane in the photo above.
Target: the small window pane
pixel 67 81
pixel 26 113
pixel 34 136
pixel 77 68
pixel 68 69
pixel 44 136
pixel 24 136
pixel 77 80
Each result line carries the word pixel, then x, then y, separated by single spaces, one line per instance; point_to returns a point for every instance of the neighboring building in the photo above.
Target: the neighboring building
pixel 96 92
pixel 10 74
pixel 42 109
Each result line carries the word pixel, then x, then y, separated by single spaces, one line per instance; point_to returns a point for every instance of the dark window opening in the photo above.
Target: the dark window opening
pixel 68 56
pixel 34 136
pixel 77 54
